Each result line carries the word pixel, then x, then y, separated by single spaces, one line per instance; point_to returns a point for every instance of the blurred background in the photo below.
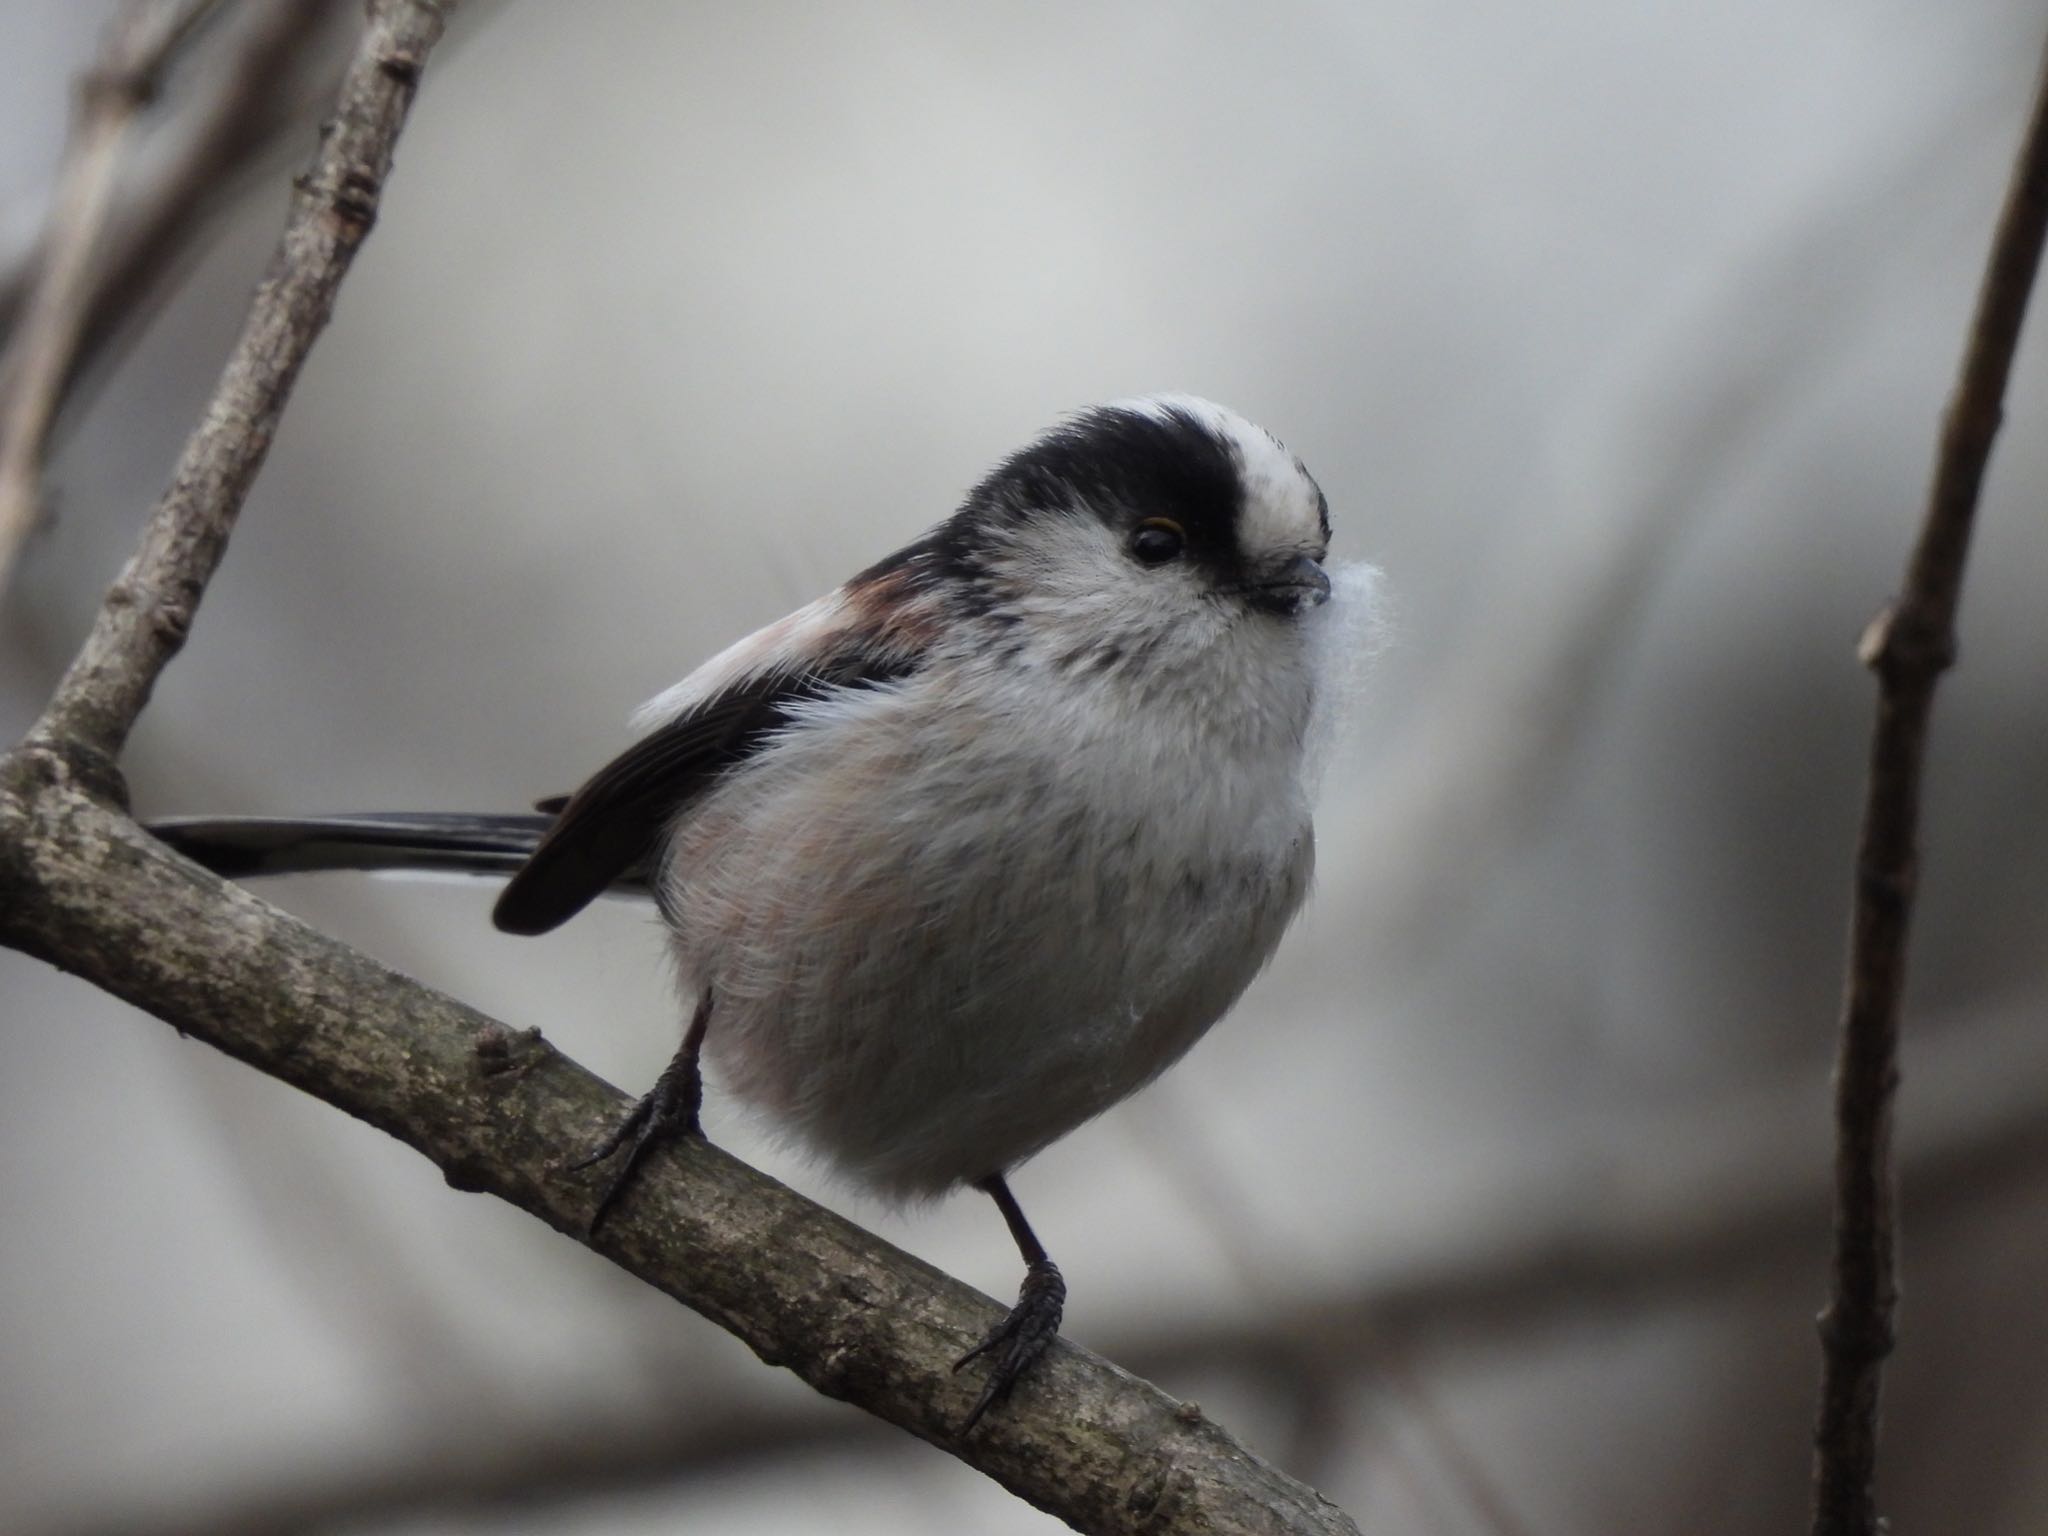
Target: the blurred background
pixel 1617 336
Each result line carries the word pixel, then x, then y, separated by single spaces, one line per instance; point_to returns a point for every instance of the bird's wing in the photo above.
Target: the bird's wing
pixel 875 629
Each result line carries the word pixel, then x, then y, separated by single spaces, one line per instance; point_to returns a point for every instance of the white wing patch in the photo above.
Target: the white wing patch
pixel 792 643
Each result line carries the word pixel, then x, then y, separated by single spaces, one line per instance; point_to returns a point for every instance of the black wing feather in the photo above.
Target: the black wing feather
pixel 618 818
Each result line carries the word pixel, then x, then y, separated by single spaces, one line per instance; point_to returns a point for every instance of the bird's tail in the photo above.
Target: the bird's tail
pixel 449 842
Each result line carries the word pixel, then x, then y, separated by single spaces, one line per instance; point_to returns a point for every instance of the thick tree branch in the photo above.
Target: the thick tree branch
pixel 138 46
pixel 1908 645
pixel 83 887
pixel 149 609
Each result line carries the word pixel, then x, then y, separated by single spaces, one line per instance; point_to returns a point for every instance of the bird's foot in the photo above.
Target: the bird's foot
pixel 1019 1339
pixel 670 1110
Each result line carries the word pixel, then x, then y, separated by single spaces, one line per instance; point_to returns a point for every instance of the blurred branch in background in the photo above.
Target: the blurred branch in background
pixel 1909 645
pixel 515 1469
pixel 1676 1209
pixel 263 70
pixel 1304 1370
pixel 1467 783
pixel 276 65
pixel 139 46
pixel 117 241
pixel 148 611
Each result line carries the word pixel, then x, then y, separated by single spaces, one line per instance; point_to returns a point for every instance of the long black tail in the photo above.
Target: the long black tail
pixel 241 846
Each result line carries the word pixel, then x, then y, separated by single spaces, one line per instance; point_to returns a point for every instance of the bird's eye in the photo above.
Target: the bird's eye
pixel 1158 540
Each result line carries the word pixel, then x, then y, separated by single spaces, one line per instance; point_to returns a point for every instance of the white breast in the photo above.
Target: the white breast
pixel 945 922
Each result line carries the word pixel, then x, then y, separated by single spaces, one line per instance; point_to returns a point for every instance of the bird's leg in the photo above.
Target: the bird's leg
pixel 669 1110
pixel 1019 1339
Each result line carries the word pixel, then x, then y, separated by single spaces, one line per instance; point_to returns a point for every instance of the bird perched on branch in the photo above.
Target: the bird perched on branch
pixel 973 847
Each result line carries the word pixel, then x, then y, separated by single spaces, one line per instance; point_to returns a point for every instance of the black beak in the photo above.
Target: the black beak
pixel 1292 588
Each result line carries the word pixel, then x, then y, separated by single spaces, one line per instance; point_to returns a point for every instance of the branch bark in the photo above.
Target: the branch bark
pixel 84 888
pixel 1908 646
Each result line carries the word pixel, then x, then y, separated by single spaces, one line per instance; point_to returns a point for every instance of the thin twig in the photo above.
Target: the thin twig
pixel 139 45
pixel 149 609
pixel 1908 645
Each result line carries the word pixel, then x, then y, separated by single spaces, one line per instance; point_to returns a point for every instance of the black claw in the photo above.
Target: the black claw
pixel 669 1111
pixel 1020 1338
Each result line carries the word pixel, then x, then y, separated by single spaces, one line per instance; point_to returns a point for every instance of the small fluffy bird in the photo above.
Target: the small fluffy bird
pixel 973 847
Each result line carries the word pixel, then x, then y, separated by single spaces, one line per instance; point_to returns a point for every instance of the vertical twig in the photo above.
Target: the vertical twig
pixel 1908 646
pixel 148 611
pixel 139 44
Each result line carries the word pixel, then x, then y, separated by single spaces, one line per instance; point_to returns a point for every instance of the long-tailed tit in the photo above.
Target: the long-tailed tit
pixel 963 853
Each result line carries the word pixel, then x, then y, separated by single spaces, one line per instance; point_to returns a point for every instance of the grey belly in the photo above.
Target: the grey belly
pixel 939 1011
